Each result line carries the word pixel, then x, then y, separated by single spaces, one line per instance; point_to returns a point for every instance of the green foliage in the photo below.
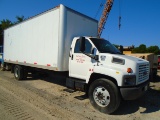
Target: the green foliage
pixel 136 50
pixel 143 49
pixel 1 35
pixel 19 19
pixel 153 49
pixel 5 23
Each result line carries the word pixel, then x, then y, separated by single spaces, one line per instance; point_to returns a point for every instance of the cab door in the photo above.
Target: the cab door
pixel 79 63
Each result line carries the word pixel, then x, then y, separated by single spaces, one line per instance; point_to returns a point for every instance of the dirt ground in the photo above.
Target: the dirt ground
pixel 47 98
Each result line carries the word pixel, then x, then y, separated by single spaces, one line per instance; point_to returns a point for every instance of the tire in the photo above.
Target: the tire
pixel 2 67
pixel 104 96
pixel 7 67
pixel 18 72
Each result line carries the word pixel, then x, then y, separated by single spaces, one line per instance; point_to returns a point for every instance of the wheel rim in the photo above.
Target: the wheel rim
pixel 16 72
pixel 101 96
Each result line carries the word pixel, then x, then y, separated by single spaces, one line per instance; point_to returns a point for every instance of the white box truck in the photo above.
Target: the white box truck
pixel 57 40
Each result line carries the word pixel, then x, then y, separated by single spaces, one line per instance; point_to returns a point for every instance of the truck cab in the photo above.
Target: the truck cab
pixel 99 68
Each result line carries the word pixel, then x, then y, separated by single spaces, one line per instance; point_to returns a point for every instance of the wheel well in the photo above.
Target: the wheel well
pixel 96 76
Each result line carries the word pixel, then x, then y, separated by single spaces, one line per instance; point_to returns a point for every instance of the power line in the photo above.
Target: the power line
pixel 119 20
pixel 100 7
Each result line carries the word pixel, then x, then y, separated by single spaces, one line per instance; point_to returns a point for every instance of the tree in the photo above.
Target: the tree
pixel 5 23
pixel 19 19
pixel 135 50
pixel 141 49
pixel 153 49
pixel 1 35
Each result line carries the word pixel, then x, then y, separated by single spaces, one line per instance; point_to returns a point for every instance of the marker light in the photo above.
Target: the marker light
pixel 129 70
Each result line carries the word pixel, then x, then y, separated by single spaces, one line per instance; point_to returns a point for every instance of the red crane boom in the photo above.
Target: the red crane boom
pixel 104 16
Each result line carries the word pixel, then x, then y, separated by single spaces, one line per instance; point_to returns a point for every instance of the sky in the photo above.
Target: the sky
pixel 140 19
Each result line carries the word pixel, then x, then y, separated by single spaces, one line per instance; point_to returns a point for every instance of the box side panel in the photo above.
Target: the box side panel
pixel 76 25
pixel 34 41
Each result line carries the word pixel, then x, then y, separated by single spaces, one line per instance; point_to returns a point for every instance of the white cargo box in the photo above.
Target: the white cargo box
pixel 44 40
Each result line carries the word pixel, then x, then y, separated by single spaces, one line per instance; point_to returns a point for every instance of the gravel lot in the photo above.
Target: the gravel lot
pixel 47 98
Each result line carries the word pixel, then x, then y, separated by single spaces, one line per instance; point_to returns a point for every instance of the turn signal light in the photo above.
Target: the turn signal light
pixel 129 70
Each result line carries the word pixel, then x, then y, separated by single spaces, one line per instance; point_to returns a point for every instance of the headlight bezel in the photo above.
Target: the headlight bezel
pixel 129 80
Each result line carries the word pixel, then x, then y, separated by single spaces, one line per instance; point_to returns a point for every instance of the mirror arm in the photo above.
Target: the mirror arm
pixel 91 56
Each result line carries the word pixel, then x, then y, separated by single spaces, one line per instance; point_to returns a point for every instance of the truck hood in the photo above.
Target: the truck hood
pixel 122 62
pixel 125 57
pixel 132 58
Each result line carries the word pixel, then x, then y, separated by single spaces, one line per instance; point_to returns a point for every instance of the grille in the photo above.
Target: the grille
pixel 143 72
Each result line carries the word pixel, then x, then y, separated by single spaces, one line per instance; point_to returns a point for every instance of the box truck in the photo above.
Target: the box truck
pixel 62 39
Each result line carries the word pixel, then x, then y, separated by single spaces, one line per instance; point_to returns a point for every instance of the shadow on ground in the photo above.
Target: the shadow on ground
pixel 148 103
pixel 49 76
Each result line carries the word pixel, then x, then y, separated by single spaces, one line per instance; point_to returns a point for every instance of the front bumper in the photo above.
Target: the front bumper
pixel 131 93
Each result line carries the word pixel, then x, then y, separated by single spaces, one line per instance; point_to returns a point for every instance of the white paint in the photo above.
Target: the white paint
pixel 46 38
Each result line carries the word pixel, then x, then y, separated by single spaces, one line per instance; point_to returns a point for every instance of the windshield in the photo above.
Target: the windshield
pixel 104 46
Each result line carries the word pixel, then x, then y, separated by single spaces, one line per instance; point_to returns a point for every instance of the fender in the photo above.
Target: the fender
pixel 114 73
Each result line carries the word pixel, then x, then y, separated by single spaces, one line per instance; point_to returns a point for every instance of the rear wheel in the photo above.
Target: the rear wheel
pixel 2 67
pixel 104 96
pixel 7 67
pixel 18 72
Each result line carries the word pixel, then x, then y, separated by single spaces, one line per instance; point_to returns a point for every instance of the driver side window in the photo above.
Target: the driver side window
pixel 77 46
pixel 88 47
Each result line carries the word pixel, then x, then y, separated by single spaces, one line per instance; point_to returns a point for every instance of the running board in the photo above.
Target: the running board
pixel 76 84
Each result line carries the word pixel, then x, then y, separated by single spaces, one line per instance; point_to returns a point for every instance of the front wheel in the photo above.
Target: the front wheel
pixel 104 96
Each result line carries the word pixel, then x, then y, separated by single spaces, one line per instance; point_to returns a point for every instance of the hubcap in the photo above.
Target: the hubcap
pixel 101 96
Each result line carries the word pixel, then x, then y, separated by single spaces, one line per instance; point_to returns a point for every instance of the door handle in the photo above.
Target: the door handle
pixel 70 52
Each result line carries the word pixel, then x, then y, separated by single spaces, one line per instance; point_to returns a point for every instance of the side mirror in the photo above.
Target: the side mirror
pixel 121 49
pixel 94 51
pixel 82 44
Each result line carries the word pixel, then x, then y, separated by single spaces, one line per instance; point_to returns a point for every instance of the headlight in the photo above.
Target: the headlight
pixel 129 80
